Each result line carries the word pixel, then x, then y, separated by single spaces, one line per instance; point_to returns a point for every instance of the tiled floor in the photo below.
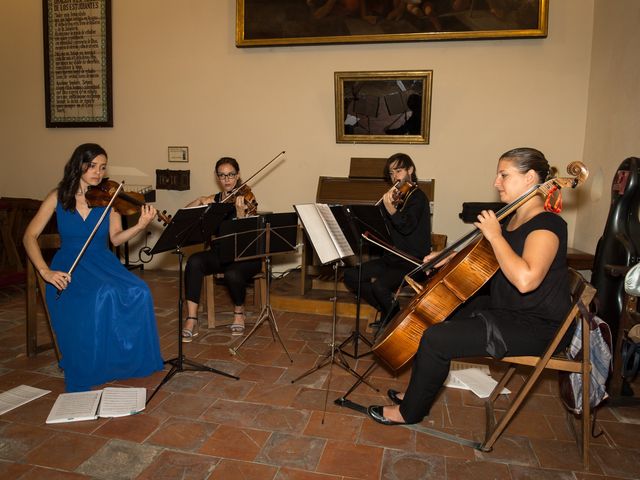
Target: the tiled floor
pixel 202 425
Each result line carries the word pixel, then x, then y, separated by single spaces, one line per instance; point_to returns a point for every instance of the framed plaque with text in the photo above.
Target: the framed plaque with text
pixel 77 63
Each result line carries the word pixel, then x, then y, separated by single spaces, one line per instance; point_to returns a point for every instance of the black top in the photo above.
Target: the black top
pixel 552 299
pixel 410 226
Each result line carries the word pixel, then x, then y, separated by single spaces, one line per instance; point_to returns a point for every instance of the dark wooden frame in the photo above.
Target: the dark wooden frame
pixel 285 24
pixel 104 118
pixel 383 87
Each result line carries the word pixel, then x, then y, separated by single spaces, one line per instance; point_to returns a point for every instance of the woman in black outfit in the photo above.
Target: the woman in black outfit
pixel 410 228
pixel 528 300
pixel 208 262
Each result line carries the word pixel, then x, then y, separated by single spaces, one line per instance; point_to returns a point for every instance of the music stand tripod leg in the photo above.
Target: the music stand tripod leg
pixel 265 315
pixel 177 363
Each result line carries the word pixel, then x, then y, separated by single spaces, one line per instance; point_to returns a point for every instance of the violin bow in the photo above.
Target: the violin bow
pixel 93 233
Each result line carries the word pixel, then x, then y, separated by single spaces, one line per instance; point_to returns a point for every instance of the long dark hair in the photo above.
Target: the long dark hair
pixel 402 160
pixel 526 158
pixel 79 162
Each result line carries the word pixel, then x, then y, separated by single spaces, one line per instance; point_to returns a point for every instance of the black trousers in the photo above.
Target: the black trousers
pixel 379 282
pixel 236 275
pixel 471 332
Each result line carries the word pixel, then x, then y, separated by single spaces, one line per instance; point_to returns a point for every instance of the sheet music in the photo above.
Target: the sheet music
pixel 119 402
pixel 338 237
pixel 74 407
pixel 19 396
pixel 324 232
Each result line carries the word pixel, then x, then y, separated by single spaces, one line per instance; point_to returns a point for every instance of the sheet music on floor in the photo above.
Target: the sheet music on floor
pixel 474 377
pixel 106 403
pixel 323 230
pixel 18 396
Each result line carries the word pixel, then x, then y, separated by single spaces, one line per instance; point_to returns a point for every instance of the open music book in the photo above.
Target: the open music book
pixel 110 402
pixel 323 230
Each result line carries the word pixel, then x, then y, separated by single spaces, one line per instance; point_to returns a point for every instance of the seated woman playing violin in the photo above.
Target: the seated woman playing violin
pixel 236 274
pixel 529 295
pixel 410 227
pixel 103 315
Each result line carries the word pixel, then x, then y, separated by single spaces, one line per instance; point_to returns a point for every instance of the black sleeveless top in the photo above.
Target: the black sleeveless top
pixel 551 301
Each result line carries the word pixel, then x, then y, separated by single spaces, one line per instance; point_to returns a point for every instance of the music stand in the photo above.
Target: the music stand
pixel 189 226
pixel 261 237
pixel 331 245
pixel 355 220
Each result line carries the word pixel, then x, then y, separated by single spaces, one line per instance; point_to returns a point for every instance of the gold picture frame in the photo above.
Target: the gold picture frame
pixel 383 107
pixel 310 22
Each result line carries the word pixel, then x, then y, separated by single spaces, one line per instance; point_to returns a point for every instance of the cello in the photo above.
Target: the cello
pixel 456 282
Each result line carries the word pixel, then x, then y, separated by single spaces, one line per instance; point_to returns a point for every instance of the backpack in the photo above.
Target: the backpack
pixel 601 364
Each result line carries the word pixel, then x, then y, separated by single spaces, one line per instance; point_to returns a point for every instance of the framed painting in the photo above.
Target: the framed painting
pixel 383 107
pixel 308 22
pixel 77 63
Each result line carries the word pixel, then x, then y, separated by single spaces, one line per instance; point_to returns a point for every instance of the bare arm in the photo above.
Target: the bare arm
pixel 525 272
pixel 118 236
pixel 30 241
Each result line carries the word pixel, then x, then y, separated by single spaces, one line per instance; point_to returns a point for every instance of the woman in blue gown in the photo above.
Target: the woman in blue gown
pixel 104 319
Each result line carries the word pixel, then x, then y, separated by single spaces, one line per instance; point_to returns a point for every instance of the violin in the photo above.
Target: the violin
pixel 249 198
pixel 126 203
pixel 399 193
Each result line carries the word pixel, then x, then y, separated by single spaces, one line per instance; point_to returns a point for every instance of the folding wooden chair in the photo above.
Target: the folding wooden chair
pixel 581 291
pixel 35 289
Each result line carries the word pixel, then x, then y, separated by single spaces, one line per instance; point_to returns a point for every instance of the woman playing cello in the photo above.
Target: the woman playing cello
pixel 529 296
pixel 104 320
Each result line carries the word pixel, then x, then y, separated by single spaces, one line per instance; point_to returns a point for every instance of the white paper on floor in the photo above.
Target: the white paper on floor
pixel 474 377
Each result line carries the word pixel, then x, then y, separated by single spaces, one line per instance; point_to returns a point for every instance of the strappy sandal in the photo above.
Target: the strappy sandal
pixel 236 328
pixel 188 335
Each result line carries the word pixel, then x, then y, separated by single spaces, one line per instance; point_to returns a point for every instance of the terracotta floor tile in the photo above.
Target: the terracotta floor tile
pixel 429 444
pixel 228 412
pixel 621 462
pixel 459 469
pixel 291 474
pixel 182 434
pixel 335 426
pixel 227 388
pixel 134 428
pixel 65 451
pixel 235 470
pixel 282 395
pixel 235 443
pixel 397 464
pixel 562 455
pixel 119 459
pixel 39 473
pixel 357 461
pixel 262 373
pixel 526 473
pixel 510 449
pixel 10 470
pixel 18 440
pixel 377 435
pixel 294 451
pixel 183 405
pixel 178 465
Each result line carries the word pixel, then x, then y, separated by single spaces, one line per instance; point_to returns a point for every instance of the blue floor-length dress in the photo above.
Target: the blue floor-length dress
pixel 104 321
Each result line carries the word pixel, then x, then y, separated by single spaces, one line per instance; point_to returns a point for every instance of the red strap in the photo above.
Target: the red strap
pixel 557 204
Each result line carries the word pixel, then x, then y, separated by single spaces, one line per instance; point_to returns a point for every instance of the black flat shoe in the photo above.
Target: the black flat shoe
pixel 375 412
pixel 393 396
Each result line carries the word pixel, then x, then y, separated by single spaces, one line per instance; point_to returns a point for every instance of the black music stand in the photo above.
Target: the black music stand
pixel 354 221
pixel 331 244
pixel 189 226
pixel 260 237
